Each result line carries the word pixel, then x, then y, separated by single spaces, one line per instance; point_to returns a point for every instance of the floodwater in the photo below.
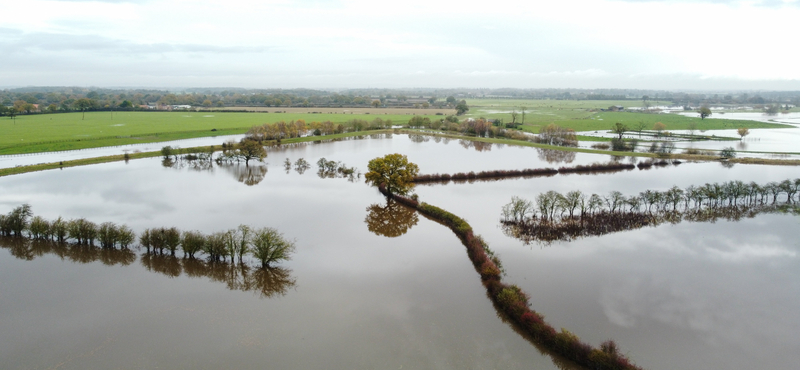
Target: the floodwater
pixel 373 286
pixel 759 143
pixel 7 161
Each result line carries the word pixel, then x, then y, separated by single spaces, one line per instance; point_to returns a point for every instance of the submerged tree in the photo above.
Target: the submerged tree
pixel 393 171
pixel 269 246
pixel 249 150
pixel 704 111
pixel 743 131
pixel 619 129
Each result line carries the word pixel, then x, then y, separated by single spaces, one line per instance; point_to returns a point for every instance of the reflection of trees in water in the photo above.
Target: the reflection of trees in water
pixel 267 282
pixel 741 145
pixel 29 249
pixel 391 220
pixel 333 169
pixel 555 156
pixel 194 165
pixel 417 138
pixel 479 146
pixel 542 230
pixel 248 175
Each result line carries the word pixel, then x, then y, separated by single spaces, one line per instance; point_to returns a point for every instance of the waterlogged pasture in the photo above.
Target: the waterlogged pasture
pixel 673 297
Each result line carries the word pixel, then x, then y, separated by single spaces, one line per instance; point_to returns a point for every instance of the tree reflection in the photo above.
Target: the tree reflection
pixel 266 282
pixel 417 138
pixel 391 220
pixel 555 156
pixel 479 146
pixel 269 282
pixel 29 249
pixel 248 175
pixel 544 231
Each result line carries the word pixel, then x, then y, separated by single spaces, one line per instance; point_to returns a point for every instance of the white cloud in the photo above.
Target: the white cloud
pixel 505 43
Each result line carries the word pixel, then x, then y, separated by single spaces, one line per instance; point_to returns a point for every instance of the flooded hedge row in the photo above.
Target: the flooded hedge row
pixel 266 245
pixel 513 302
pixel 536 172
pixel 555 216
pixel 270 282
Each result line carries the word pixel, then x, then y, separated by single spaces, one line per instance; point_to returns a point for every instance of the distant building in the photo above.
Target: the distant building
pixel 616 108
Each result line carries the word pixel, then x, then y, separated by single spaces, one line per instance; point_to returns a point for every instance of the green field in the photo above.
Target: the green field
pixel 67 131
pixel 585 115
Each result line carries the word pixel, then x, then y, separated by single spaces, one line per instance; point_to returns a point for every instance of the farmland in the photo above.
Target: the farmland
pixel 586 115
pixel 67 131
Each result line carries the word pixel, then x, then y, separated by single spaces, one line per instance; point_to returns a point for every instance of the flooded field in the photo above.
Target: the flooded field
pixel 374 286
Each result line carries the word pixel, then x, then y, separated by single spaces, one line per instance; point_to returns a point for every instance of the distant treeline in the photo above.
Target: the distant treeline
pixel 61 99
pixel 513 303
pixel 266 245
pixel 555 216
pixel 52 100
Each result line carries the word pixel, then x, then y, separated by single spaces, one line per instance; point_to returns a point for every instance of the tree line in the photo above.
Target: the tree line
pixel 24 101
pixel 266 245
pixel 555 216
pixel 532 172
pixel 270 282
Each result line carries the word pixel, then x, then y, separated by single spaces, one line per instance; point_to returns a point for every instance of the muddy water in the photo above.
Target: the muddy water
pixel 358 294
pixel 685 296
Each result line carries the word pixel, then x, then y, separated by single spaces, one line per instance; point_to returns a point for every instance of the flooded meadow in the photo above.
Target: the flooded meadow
pixel 375 285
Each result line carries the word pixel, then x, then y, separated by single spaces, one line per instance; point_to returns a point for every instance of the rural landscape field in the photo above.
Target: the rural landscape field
pixel 352 185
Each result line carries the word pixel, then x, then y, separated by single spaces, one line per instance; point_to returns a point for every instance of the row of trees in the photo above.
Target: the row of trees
pixel 267 282
pixel 553 206
pixel 283 130
pixel 266 245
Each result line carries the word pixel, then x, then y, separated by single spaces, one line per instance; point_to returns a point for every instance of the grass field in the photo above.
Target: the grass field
pixel 372 111
pixel 66 131
pixel 585 115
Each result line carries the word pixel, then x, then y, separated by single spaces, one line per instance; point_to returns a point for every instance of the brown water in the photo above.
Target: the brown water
pixel 371 286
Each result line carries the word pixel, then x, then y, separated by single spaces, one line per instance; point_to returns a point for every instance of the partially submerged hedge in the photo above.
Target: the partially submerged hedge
pixel 513 302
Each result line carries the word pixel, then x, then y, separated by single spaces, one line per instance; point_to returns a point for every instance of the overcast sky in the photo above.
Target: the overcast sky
pixel 658 44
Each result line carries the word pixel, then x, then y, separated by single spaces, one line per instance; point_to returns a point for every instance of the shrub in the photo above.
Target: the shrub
pixel 270 246
pixel 192 242
pixel 125 236
pixel 489 270
pixel 59 229
pixel 513 300
pixel 83 231
pixel 39 228
pixel 692 151
pixel 107 234
pixel 16 221
pixel 728 153
pixel 172 239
